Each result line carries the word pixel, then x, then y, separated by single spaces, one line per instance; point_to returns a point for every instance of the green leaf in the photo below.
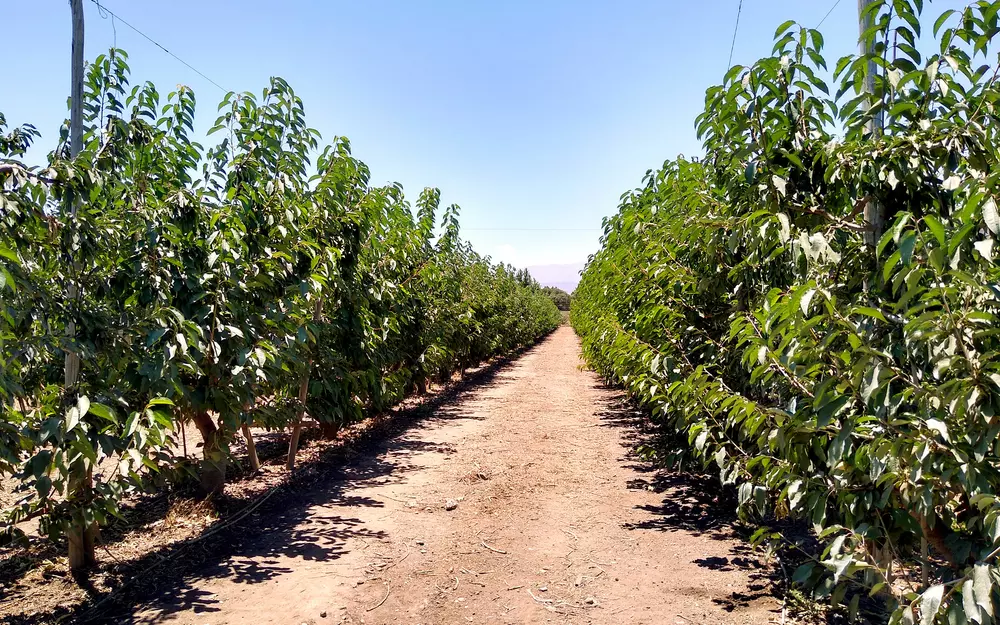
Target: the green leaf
pixel 939 427
pixel 869 312
pixel 702 438
pixel 806 298
pixel 82 445
pixel 969 601
pixel 872 382
pixel 803 573
pixel 72 418
pixel 835 453
pixel 932 70
pixel 957 239
pixel 785 229
pixel 990 215
pixel 985 249
pixel 103 412
pixel 39 463
pixel 936 227
pixel 43 485
pixel 83 405
pixel 939 22
pixel 826 412
pixel 930 601
pixel 783 28
pixel 155 336
pixel 906 245
pixel 889 265
pixel 982 586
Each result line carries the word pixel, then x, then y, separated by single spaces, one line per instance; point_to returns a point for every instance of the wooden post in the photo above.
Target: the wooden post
pixel 72 367
pixel 76 77
pixel 82 536
pixel 874 219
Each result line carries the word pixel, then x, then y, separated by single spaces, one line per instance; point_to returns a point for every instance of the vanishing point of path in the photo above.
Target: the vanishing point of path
pixel 556 522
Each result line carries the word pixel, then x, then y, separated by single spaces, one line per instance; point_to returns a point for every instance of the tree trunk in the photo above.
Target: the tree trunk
pixel 251 448
pixel 935 537
pixel 293 444
pixel 214 461
pixel 329 430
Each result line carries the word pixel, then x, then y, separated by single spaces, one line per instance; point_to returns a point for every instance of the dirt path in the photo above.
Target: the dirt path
pixel 555 522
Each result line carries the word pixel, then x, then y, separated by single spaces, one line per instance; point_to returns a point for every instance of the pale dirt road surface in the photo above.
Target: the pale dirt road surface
pixel 555 522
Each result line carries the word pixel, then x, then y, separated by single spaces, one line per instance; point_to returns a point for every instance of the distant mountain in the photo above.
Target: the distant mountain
pixel 564 277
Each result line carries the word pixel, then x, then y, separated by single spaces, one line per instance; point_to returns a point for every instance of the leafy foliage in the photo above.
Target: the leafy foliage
pixel 559 297
pixel 210 284
pixel 836 373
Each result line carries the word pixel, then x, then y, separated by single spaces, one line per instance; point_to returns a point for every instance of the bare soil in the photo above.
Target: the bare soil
pixel 516 498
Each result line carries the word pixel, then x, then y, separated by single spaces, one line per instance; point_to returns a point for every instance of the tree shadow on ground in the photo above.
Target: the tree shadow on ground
pixel 257 543
pixel 696 502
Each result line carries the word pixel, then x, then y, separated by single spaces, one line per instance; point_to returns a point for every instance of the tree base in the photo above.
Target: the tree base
pixel 214 461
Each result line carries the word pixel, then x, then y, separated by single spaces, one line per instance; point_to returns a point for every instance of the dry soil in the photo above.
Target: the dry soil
pixel 518 502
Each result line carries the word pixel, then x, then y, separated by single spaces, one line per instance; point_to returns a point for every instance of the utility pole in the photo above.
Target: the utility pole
pixel 873 211
pixel 82 536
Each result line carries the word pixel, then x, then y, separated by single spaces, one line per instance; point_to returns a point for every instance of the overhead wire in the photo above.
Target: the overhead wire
pixel 114 29
pixel 104 9
pixel 105 12
pixel 739 10
pixel 828 13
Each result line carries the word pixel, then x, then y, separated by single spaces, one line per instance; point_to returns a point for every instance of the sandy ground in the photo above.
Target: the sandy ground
pixel 551 520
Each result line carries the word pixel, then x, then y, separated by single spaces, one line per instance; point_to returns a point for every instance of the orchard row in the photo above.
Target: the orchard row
pixel 812 308
pixel 151 282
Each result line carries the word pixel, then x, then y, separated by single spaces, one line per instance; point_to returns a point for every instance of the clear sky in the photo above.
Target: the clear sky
pixel 530 114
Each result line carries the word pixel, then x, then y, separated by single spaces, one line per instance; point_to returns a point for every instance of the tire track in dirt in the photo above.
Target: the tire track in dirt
pixel 550 520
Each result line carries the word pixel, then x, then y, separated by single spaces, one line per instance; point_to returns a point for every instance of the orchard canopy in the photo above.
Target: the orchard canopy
pixel 812 308
pixel 249 283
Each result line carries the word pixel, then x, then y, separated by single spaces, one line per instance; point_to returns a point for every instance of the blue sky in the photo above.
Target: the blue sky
pixel 530 114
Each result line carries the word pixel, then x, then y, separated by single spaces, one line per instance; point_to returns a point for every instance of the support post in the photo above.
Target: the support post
pixel 874 219
pixel 82 536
